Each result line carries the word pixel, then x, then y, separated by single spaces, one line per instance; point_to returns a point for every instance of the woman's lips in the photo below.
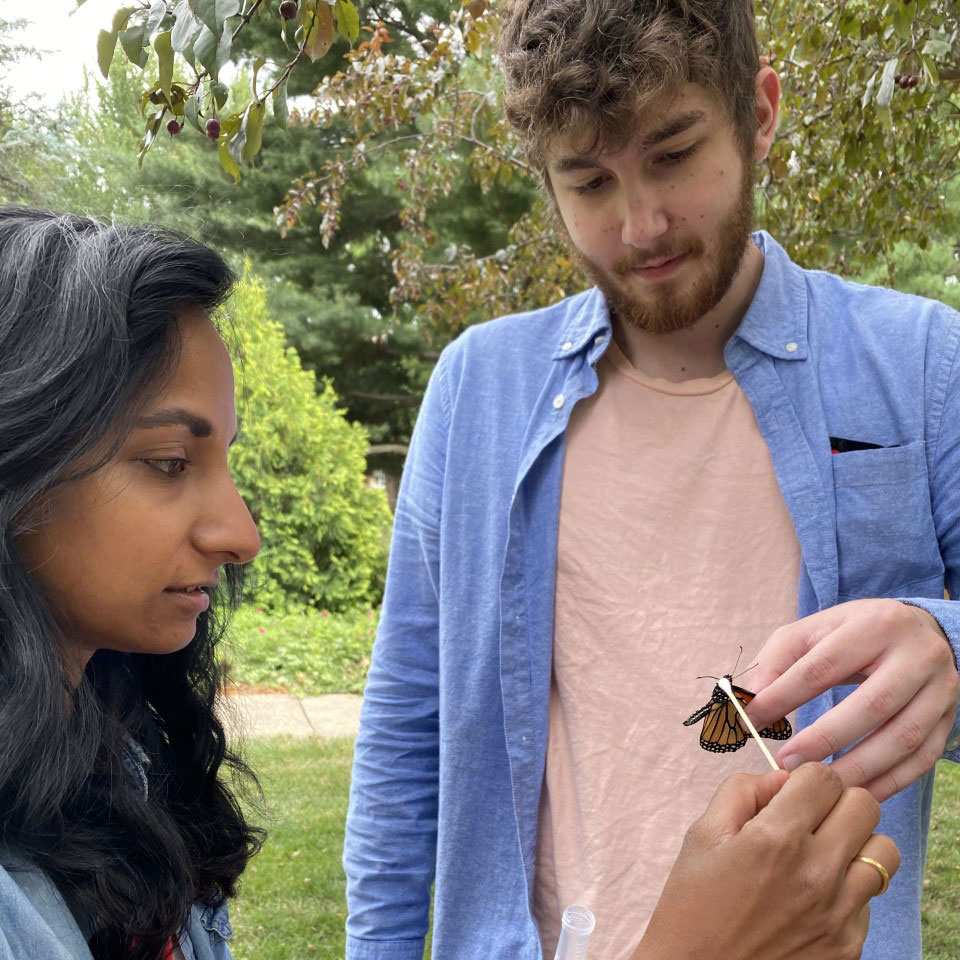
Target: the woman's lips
pixel 192 601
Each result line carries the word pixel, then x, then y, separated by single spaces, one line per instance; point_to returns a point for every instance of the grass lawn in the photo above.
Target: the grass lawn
pixel 291 903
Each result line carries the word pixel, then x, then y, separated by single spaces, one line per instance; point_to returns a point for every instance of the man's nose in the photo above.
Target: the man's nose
pixel 644 219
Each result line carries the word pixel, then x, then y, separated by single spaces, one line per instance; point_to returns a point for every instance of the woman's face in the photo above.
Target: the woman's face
pixel 126 555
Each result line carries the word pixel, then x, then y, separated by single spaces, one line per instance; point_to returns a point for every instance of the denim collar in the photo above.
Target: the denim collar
pixel 775 322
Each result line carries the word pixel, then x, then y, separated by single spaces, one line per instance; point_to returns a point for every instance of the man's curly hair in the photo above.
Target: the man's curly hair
pixel 594 67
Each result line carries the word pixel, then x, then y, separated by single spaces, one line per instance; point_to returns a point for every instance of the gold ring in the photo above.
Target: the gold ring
pixel 882 870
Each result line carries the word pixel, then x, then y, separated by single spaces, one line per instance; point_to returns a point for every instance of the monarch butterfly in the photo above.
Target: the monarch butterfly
pixel 722 730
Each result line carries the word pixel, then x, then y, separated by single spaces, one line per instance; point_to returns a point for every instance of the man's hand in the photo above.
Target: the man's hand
pixel 770 871
pixel 904 705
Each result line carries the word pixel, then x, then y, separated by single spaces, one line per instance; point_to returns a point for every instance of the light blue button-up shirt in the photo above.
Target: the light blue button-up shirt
pixel 450 755
pixel 37 923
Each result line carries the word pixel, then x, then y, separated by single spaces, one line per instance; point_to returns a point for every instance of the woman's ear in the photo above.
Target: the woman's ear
pixel 767 85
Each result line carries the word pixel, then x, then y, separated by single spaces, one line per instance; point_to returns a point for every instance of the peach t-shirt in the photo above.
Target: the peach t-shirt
pixel 675 547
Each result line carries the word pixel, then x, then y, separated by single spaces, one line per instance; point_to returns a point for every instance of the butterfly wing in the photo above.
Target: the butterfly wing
pixel 778 730
pixel 721 731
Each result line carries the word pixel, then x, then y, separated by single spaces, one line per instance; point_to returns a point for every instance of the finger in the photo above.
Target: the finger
pixel 880 697
pixel 848 826
pixel 737 801
pixel 864 881
pixel 916 737
pixel 790 642
pixel 804 801
pixel 817 662
pixel 900 777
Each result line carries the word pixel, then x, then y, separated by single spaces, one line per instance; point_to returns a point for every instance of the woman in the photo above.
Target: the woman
pixel 121 541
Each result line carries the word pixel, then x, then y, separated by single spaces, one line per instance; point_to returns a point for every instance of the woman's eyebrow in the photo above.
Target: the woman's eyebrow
pixel 177 417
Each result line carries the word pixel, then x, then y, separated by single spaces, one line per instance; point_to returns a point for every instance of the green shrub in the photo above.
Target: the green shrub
pixel 308 652
pixel 300 465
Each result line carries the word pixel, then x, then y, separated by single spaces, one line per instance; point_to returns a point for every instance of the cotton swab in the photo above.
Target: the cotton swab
pixel 724 684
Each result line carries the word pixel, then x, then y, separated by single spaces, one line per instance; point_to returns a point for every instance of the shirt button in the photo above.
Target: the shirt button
pixel 567 346
pixel 558 401
pixel 598 340
pixel 792 347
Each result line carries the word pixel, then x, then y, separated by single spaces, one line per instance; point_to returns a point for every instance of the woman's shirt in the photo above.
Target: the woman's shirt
pixel 35 920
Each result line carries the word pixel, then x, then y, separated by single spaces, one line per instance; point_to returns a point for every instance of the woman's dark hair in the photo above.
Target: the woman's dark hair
pixel 88 335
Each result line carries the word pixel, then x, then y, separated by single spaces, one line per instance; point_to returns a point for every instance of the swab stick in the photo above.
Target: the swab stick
pixel 724 684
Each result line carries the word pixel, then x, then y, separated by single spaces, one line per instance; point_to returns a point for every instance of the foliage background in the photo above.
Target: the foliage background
pixel 300 468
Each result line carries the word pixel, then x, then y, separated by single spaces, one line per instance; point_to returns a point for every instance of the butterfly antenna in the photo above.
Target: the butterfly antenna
pixel 739 655
pixel 742 672
pixel 707 677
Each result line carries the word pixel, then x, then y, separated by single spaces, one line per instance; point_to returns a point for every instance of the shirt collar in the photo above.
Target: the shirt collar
pixel 775 322
pixel 586 323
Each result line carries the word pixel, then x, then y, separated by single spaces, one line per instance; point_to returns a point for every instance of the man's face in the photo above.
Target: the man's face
pixel 661 226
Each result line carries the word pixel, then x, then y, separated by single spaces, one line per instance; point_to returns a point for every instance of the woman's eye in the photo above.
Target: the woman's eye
pixel 169 468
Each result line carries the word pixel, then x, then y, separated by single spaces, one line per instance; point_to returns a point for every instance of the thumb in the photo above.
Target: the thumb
pixel 738 800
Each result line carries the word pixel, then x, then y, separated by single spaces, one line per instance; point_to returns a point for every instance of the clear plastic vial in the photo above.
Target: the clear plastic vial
pixel 576 925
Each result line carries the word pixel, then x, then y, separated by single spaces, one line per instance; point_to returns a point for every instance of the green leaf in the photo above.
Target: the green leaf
pixel 206 12
pixel 289 34
pixel 134 43
pixel 158 10
pixel 253 127
pixel 937 48
pixel 164 49
pixel 146 98
pixel 868 93
pixel 227 162
pixel 191 110
pixel 885 93
pixel 205 50
pixel 220 93
pixel 153 126
pixel 903 21
pixel 106 45
pixel 237 143
pixel 186 28
pixel 281 113
pixel 223 50
pixel 225 9
pixel 121 18
pixel 321 33
pixel 257 64
pixel 931 70
pixel 348 21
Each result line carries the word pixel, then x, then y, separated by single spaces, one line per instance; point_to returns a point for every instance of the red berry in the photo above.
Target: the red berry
pixel 173 128
pixel 903 82
pixel 288 9
pixel 914 81
pixel 212 129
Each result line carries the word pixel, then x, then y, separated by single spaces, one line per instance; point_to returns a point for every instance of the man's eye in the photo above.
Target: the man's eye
pixel 595 184
pixel 679 156
pixel 169 468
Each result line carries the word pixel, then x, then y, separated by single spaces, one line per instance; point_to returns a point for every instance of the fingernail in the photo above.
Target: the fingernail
pixel 790 762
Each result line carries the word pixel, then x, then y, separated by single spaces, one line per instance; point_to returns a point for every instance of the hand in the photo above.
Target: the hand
pixel 903 708
pixel 769 871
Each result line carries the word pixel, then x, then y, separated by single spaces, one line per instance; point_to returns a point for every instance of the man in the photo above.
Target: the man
pixel 606 498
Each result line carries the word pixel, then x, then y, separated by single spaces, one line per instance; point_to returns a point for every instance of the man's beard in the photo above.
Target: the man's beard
pixel 677 305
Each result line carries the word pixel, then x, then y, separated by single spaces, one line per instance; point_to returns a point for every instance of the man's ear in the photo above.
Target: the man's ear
pixel 767 85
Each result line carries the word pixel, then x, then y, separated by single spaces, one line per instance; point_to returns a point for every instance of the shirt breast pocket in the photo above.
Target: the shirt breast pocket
pixel 886 540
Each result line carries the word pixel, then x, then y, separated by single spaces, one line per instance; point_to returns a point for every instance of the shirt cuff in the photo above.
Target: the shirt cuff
pixel 947 614
pixel 384 949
